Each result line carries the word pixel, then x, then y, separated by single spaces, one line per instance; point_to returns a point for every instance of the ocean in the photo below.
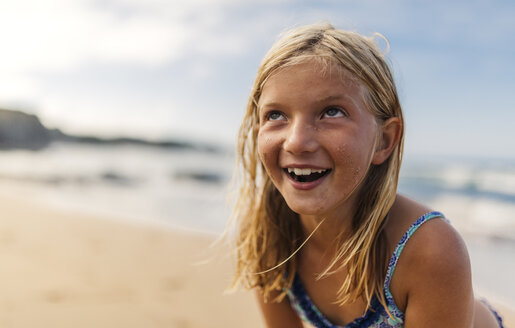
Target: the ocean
pixel 188 189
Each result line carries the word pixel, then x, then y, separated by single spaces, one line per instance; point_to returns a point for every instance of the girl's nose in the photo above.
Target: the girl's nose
pixel 300 138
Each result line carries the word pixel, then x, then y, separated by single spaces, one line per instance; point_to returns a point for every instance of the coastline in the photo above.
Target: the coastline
pixel 73 269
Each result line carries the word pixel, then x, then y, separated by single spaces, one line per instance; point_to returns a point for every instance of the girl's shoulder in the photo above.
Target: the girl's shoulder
pixel 405 212
pixel 435 254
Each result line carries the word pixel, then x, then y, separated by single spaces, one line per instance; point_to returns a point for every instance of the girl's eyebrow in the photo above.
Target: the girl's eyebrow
pixel 341 97
pixel 324 99
pixel 332 97
pixel 268 104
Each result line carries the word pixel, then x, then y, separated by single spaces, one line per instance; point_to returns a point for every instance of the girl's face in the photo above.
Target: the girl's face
pixel 316 137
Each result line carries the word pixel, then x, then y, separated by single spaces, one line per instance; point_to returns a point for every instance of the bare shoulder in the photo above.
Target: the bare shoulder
pixel 436 247
pixel 435 243
pixel 433 274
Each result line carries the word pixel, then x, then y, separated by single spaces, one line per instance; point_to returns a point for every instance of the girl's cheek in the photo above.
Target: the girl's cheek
pixel 341 152
pixel 268 150
pixel 350 164
pixel 263 143
pixel 344 155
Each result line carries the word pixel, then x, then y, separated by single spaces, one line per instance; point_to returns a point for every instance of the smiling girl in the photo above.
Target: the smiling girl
pixel 322 234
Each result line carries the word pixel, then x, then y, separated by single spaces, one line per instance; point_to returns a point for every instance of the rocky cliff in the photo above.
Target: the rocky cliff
pixel 21 130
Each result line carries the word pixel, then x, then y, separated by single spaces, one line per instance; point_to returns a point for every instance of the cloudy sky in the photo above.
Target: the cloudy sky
pixel 163 68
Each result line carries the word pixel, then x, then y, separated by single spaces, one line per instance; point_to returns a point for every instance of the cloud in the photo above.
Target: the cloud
pixel 56 35
pixel 153 64
pixel 43 39
pixel 133 116
pixel 60 35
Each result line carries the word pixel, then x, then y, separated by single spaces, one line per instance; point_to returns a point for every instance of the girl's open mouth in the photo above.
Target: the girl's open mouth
pixel 306 175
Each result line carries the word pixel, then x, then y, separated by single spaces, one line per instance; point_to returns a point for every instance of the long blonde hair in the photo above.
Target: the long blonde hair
pixel 267 230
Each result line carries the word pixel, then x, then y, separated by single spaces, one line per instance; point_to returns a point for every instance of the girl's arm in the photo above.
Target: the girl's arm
pixel 438 279
pixel 278 315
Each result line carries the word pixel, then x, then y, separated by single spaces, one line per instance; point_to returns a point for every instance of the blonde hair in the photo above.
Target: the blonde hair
pixel 268 231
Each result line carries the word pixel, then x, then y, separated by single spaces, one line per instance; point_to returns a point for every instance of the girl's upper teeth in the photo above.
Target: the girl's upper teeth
pixel 298 171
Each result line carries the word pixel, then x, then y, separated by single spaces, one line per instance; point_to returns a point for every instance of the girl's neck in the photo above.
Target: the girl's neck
pixel 328 229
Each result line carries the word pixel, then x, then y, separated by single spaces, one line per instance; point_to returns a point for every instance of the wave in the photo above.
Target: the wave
pixel 478 196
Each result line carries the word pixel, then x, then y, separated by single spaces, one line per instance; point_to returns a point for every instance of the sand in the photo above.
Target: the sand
pixel 66 269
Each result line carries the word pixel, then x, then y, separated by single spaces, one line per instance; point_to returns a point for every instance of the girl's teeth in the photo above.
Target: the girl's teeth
pixel 298 171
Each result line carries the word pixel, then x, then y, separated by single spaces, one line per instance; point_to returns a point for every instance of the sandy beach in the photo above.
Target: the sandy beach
pixel 65 269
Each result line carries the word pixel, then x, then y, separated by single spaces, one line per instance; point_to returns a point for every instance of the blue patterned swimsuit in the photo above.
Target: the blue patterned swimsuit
pixel 376 316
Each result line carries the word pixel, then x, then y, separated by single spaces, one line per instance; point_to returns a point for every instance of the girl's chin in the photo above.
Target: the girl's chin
pixel 314 209
pixel 303 210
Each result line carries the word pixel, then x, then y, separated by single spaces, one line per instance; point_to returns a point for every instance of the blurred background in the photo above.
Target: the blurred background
pixel 129 108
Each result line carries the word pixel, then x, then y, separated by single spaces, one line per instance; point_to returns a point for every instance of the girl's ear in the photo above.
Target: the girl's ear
pixel 390 137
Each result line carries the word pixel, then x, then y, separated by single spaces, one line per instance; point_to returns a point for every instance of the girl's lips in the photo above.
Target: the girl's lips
pixel 306 185
pixel 304 166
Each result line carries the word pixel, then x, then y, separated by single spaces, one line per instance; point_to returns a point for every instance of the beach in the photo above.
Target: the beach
pixel 67 269
pixel 62 268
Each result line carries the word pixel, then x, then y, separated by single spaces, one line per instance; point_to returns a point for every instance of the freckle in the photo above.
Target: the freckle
pixel 341 154
pixel 344 157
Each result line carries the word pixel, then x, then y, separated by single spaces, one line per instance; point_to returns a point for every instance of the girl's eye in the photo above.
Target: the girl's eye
pixel 333 112
pixel 275 116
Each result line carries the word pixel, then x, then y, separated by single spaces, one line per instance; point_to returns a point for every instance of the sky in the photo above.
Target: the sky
pixel 183 69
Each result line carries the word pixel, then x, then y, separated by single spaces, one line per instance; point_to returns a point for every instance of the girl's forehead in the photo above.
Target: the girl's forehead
pixel 319 67
pixel 309 72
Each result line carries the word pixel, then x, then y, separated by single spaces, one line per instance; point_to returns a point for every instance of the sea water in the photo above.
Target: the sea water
pixel 184 188
pixel 478 197
pixel 188 189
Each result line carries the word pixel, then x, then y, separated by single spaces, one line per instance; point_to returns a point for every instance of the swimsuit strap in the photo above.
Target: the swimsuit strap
pixel 375 316
pixel 494 312
pixel 396 254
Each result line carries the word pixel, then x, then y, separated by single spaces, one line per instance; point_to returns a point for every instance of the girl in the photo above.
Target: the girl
pixel 321 229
